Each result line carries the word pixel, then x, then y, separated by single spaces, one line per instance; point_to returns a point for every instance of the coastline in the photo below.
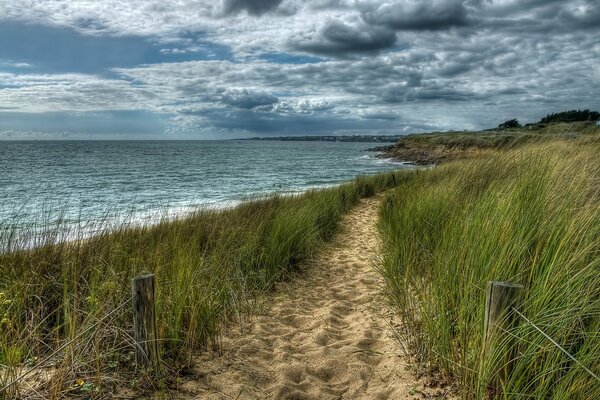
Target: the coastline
pixel 423 154
pixel 434 148
pixel 93 185
pixel 30 235
pixel 211 268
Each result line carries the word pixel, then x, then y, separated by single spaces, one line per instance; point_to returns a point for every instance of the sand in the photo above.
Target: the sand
pixel 326 334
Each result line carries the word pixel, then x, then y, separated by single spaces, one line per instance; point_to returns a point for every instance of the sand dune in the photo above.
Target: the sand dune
pixel 325 335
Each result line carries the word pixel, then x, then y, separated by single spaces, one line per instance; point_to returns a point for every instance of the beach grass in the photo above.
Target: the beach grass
pixel 529 215
pixel 440 147
pixel 211 267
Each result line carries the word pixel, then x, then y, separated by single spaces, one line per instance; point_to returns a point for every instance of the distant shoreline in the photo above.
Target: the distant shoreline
pixel 331 138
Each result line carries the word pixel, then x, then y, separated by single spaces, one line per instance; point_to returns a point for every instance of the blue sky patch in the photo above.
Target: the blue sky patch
pixel 49 49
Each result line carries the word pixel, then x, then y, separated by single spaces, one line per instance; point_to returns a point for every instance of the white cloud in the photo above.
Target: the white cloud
pixel 71 92
pixel 435 63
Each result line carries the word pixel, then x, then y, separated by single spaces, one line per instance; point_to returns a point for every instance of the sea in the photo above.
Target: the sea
pixel 88 186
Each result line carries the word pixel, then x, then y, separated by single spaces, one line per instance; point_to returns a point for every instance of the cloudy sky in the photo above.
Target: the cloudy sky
pixel 211 69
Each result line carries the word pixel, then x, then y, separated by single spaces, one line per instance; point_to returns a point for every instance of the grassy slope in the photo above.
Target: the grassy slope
pixel 209 266
pixel 529 215
pixel 438 147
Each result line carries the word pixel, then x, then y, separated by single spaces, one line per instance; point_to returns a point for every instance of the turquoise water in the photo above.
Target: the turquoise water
pixel 45 183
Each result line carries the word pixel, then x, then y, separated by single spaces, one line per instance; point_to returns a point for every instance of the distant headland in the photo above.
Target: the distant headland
pixel 439 147
pixel 332 138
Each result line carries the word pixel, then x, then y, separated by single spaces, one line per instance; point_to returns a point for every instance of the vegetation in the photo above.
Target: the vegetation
pixel 571 116
pixel 210 267
pixel 440 147
pixel 529 215
pixel 511 123
pixel 528 212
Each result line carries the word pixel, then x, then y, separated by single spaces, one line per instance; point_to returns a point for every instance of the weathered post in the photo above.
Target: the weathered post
pixel 501 298
pixel 144 321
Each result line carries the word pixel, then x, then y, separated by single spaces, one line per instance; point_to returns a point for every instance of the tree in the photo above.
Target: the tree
pixel 571 116
pixel 511 123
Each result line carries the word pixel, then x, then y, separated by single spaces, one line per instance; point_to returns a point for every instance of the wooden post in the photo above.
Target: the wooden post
pixel 501 298
pixel 144 321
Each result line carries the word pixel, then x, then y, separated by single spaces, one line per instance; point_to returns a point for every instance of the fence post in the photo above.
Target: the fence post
pixel 144 321
pixel 501 298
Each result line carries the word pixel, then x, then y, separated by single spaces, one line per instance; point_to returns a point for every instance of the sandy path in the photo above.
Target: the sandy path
pixel 325 335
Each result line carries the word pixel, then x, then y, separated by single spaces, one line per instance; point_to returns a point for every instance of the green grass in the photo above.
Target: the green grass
pixel 210 267
pixel 501 138
pixel 440 147
pixel 529 215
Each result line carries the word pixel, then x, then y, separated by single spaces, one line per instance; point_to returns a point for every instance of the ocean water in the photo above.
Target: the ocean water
pixel 86 182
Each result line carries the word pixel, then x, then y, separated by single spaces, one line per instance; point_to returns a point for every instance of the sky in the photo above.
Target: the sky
pixel 216 69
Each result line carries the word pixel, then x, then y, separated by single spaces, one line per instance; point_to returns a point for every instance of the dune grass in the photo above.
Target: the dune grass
pixel 501 138
pixel 210 267
pixel 441 147
pixel 529 215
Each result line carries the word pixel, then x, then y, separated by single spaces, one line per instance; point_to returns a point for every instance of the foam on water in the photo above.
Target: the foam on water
pixel 84 185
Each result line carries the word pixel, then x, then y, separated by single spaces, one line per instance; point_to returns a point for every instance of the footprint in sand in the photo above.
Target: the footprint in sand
pixel 322 337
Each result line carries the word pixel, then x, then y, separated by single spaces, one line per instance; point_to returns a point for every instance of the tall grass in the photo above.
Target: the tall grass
pixel 210 267
pixel 531 216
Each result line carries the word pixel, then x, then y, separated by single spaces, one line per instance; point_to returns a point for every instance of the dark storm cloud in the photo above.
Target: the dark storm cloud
pixel 252 7
pixel 454 68
pixel 296 66
pixel 292 124
pixel 442 94
pixel 400 94
pixel 586 17
pixel 417 15
pixel 512 90
pixel 515 8
pixel 339 38
pixel 536 16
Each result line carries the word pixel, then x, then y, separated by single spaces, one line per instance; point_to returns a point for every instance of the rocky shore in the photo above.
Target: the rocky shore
pixel 422 156
pixel 426 150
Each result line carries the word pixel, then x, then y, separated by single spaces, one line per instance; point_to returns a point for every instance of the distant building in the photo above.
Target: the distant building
pixel 598 122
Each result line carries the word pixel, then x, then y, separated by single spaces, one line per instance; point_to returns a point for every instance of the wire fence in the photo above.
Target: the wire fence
pixel 65 345
pixel 138 345
pixel 164 283
pixel 555 343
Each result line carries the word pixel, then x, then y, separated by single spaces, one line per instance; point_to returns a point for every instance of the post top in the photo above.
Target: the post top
pixel 144 276
pixel 506 284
